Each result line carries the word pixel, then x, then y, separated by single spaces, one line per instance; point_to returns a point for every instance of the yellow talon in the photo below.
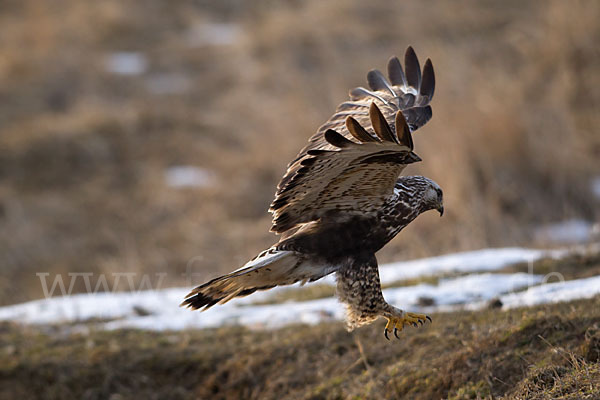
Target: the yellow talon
pixel 407 318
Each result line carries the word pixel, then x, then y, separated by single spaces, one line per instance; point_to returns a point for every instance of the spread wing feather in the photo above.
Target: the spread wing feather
pixel 352 162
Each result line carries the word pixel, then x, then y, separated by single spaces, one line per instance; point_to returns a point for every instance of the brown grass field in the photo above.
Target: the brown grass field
pixel 513 140
pixel 236 88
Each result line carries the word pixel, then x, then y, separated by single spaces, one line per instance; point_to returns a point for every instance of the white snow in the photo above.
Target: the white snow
pixel 449 292
pixel 479 260
pixel 161 311
pixel 554 293
pixel 462 290
pixel 569 231
pixel 82 307
pixel 182 176
pixel 126 63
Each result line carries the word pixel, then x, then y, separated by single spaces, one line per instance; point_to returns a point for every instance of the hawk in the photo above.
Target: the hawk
pixel 342 199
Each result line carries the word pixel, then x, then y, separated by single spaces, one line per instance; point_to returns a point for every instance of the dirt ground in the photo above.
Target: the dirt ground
pixel 548 352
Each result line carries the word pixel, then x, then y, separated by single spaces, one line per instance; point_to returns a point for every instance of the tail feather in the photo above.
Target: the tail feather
pixel 271 268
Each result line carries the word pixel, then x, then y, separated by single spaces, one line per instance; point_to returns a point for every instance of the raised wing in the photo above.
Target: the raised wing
pixel 408 90
pixel 344 176
pixel 348 168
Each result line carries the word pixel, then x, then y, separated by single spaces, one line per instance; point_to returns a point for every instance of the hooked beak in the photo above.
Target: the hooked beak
pixel 440 210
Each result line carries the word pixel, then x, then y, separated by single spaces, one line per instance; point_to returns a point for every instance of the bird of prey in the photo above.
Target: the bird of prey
pixel 342 199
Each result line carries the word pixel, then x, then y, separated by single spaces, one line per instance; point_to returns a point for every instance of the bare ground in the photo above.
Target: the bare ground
pixel 544 352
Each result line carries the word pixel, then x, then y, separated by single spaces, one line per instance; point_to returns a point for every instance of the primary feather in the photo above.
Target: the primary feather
pixel 317 182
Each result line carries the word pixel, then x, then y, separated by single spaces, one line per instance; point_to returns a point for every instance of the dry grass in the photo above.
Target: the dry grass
pixel 513 140
pixel 546 352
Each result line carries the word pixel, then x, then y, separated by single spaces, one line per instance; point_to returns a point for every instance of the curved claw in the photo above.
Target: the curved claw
pixel 415 325
pixel 421 322
pixel 385 333
pixel 396 333
pixel 427 316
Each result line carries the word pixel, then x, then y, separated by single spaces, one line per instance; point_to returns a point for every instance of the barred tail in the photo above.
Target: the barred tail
pixel 271 268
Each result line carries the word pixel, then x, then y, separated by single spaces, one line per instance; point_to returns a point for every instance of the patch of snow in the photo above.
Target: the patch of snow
pixel 479 260
pixel 215 34
pixel 462 290
pixel 570 231
pixel 450 292
pixel 126 63
pixel 554 293
pixel 83 307
pixel 162 311
pixel 165 313
pixel 188 176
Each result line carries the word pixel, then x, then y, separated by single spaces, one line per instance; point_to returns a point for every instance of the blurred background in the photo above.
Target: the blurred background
pixel 137 136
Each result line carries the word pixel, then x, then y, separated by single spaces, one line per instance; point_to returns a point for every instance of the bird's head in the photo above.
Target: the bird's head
pixel 426 192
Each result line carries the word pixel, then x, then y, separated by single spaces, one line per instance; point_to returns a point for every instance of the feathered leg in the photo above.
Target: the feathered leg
pixel 359 287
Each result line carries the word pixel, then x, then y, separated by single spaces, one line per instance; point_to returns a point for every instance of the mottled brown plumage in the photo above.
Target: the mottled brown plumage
pixel 341 199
